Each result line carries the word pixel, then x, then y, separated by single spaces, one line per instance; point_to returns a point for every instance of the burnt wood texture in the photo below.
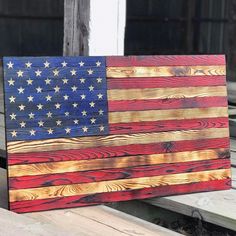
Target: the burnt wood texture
pixel 167 134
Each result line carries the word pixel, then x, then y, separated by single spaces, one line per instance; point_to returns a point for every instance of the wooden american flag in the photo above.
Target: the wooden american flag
pixel 89 130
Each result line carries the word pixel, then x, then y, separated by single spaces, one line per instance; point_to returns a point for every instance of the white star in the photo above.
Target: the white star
pixel 14 133
pixel 65 81
pixel 48 97
pixel 46 64
pixel 39 90
pixel 40 106
pixel 99 80
pixel 75 104
pixel 20 73
pixel 13 116
pixel 21 107
pixel 50 131
pixel 12 99
pixel 83 96
pixel 100 112
pixel 81 64
pixel 100 96
pixel 49 114
pixel 66 97
pixel 10 65
pixel 38 73
pixel 56 72
pixel 28 64
pixel 22 124
pixel 91 88
pixel 84 113
pixel 98 63
pixel 67 113
pixel 101 128
pixel 85 129
pixel 29 81
pixel 32 132
pixel 31 115
pixel 40 123
pixel 47 81
pixel 74 88
pixel 73 72
pixel 90 72
pixel 67 130
pixel 93 120
pixel 57 89
pixel 30 98
pixel 11 82
pixel 64 64
pixel 76 121
pixel 82 80
pixel 58 105
pixel 20 90
pixel 58 122
pixel 92 104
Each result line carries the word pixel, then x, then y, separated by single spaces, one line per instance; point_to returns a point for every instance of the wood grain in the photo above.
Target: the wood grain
pixel 171 60
pixel 117 185
pixel 165 82
pixel 172 114
pixel 168 125
pixel 114 140
pixel 166 93
pixel 164 71
pixel 166 104
pixel 85 200
pixel 118 151
pixel 115 173
pixel 119 162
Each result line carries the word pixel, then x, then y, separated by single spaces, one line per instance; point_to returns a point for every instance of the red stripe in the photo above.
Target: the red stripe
pixel 117 151
pixel 164 82
pixel 172 60
pixel 113 174
pixel 166 104
pixel 85 200
pixel 168 125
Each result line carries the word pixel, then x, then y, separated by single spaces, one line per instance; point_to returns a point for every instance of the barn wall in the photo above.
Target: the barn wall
pixel 31 27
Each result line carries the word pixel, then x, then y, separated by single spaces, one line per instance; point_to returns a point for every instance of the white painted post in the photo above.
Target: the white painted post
pixel 107 27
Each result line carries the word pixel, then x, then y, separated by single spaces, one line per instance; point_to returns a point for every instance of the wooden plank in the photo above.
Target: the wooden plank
pixel 172 60
pixel 172 114
pixel 211 207
pixel 117 185
pixel 114 140
pixel 158 71
pixel 120 162
pixel 76 27
pixel 90 221
pixel 165 93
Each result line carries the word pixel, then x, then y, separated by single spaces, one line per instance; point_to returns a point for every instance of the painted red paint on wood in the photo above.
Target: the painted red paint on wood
pixel 117 151
pixel 165 82
pixel 85 200
pixel 117 173
pixel 168 125
pixel 166 104
pixel 172 60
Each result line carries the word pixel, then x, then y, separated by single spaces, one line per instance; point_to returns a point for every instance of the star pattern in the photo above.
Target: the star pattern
pixel 55 97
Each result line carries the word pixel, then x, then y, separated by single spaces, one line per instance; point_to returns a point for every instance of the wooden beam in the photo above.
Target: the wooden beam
pixel 76 27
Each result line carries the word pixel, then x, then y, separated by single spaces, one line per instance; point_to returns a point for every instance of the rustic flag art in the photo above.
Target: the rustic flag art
pixel 89 130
